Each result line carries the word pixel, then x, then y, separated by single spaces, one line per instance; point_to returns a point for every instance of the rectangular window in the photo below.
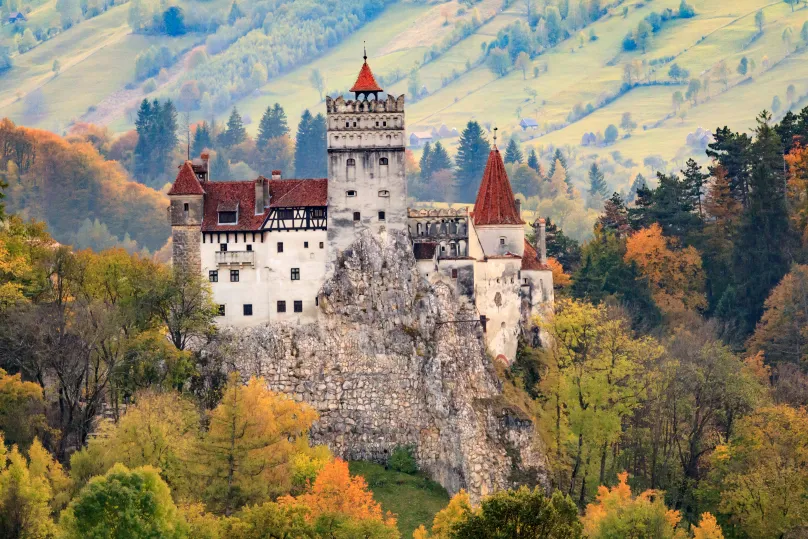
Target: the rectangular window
pixel 213 276
pixel 281 306
pixel 221 310
pixel 228 217
pixel 249 247
pixel 317 301
pixel 454 274
pixel 185 207
pixel 233 276
pixel 321 245
pixel 305 245
pixel 381 216
pixel 502 241
pixel 286 214
pixel 298 306
pixel 295 274
pixel 248 309
pixel 223 247
pixel 318 213
pixel 280 246
pixel 356 216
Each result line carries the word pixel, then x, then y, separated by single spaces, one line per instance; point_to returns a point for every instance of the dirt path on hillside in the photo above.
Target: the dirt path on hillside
pixel 116 104
pixel 42 80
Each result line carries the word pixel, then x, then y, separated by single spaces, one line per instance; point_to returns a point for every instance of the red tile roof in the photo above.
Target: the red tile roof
pixel 530 260
pixel 298 193
pixel 495 203
pixel 366 82
pixel 186 182
pixel 283 193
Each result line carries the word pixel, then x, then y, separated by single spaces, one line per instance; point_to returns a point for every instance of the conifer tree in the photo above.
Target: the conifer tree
pixel 615 216
pixel 426 162
pixel 694 180
pixel 220 167
pixel 319 149
pixel 202 139
pixel 273 124
pixel 301 144
pixel 440 159
pixel 472 155
pixel 558 157
pixel 533 160
pixel 143 149
pixel 638 183
pixel 597 185
pixel 513 154
pixel 235 133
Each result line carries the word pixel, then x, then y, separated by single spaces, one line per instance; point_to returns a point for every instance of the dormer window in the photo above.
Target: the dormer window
pixel 228 213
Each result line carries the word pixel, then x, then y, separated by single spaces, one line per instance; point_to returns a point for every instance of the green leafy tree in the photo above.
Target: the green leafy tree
pixel 693 89
pixel 611 134
pixel 513 154
pixel 627 124
pixel 124 504
pixel 760 21
pixel 317 81
pixel 174 21
pixel 414 85
pixel 472 155
pixel 521 514
pixel 743 66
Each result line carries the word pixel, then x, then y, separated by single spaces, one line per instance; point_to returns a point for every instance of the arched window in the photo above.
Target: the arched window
pixel 383 161
pixel 351 166
pixel 351 162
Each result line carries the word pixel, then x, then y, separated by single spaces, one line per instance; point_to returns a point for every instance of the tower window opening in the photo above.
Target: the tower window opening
pixel 384 124
pixel 356 216
pixel 351 162
pixel 351 193
pixel 354 124
pixel 381 216
pixel 347 124
pixel 185 207
pixel 377 124
pixel 383 161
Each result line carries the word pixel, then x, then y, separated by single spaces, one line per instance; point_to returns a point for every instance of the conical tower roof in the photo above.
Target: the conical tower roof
pixel 186 182
pixel 366 82
pixel 495 204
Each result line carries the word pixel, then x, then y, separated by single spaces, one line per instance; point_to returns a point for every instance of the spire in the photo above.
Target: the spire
pixel 186 183
pixel 365 82
pixel 495 203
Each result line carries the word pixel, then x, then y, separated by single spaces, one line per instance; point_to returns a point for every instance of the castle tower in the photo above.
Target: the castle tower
pixel 186 212
pixel 366 183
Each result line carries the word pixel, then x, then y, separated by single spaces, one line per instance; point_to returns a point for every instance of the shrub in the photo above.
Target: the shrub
pixel 403 460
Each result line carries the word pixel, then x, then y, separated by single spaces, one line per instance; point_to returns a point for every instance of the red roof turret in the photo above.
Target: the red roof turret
pixel 495 203
pixel 366 82
pixel 186 183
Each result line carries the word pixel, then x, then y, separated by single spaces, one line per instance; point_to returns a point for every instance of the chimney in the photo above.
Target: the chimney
pixel 542 241
pixel 276 174
pixel 266 192
pixel 259 195
pixel 205 156
pixel 518 207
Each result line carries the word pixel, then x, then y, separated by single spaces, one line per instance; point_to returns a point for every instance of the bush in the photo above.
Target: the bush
pixel 403 460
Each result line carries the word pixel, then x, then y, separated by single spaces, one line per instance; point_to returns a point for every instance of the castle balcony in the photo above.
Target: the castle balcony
pixel 235 258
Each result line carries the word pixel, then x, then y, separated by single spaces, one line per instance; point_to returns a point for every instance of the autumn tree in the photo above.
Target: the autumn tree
pixel 615 217
pixel 674 274
pixel 447 518
pixel 22 407
pixel 246 454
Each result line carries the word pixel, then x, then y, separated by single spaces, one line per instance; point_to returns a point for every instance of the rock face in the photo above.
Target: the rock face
pixel 396 361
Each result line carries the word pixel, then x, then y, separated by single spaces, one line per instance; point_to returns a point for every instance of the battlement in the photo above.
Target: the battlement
pixel 355 106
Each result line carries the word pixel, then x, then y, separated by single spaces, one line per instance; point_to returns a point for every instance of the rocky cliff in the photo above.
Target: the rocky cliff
pixel 395 360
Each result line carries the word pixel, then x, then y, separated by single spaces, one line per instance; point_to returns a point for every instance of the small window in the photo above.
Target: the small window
pixel 280 246
pixel 295 274
pixel 321 245
pixel 384 124
pixel 383 161
pixel 213 276
pixel 347 124
pixel 233 276
pixel 354 124
pixel 305 245
pixel 442 248
pixel 286 214
pixel 221 310
pixel 381 216
pixel 298 306
pixel 454 273
pixel 318 213
pixel 186 207
pixel 249 247
pixel 228 217
pixel 248 309
pixel 377 124
pixel 356 216
pixel 384 193
pixel 502 241
pixel 351 162
pixel 316 301
pixel 223 247
pixel 351 193
pixel 281 306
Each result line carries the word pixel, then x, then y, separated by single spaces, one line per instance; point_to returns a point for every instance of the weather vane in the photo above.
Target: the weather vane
pixel 365 49
pixel 495 137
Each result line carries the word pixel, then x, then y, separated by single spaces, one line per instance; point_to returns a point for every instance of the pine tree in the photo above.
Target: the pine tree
pixel 319 149
pixel 472 155
pixel 639 183
pixel 533 160
pixel 202 138
pixel 273 124
pixel 426 162
pixel 143 149
pixel 220 167
pixel 301 141
pixel 598 188
pixel 558 157
pixel 235 133
pixel 513 154
pixel 615 216
pixel 440 159
pixel 760 254
pixel 694 180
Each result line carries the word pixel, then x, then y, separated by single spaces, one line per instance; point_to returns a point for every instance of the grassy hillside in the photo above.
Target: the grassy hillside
pixel 414 499
pixel 97 58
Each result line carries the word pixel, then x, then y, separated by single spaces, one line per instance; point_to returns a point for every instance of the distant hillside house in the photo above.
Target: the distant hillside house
pixel 419 138
pixel 16 16
pixel 528 123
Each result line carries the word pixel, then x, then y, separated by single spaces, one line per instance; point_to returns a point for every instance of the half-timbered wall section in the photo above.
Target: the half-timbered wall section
pixel 297 219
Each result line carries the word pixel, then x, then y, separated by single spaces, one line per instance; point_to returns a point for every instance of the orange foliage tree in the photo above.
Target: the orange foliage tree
pixel 675 276
pixel 797 189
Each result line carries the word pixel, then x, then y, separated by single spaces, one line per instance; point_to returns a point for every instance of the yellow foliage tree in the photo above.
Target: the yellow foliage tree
pixel 675 276
pixel 708 528
pixel 21 409
pixel 457 509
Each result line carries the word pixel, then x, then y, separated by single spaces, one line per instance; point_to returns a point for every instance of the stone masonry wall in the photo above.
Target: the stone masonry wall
pixel 395 361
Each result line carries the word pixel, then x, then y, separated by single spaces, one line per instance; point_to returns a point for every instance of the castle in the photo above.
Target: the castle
pixel 267 245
